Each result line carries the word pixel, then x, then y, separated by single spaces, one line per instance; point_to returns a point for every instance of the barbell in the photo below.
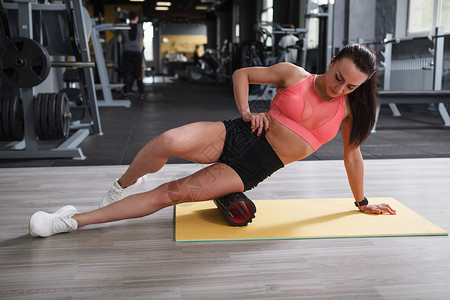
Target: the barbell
pixel 25 63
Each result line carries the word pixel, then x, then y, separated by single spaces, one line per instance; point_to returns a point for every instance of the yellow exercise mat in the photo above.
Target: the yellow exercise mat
pixel 300 219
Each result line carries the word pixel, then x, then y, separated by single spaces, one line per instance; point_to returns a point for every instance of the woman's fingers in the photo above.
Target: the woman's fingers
pixel 385 207
pixel 259 121
pixel 266 122
pixel 260 125
pixel 378 209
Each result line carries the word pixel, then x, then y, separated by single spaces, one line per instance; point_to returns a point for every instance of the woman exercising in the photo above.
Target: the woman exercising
pixel 305 113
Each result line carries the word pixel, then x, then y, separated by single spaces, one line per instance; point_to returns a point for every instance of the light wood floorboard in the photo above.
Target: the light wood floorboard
pixel 138 259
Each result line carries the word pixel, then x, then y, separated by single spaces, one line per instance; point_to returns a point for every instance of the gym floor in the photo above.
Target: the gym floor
pixel 408 158
pixel 175 103
pixel 139 259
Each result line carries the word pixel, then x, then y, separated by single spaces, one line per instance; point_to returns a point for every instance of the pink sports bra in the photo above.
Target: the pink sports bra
pixel 300 109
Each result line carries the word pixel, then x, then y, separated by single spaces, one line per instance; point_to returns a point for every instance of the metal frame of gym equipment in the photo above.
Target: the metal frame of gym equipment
pixel 312 11
pixel 28 147
pixel 106 86
pixel 328 16
pixel 435 96
pixel 267 91
pixel 277 29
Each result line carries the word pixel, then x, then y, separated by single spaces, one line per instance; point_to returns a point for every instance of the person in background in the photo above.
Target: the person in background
pixel 196 57
pixel 132 42
pixel 289 40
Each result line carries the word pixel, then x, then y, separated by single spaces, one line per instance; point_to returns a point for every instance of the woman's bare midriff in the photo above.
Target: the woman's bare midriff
pixel 287 145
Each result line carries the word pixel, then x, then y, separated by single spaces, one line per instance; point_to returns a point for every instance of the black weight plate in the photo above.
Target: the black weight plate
pixel 2 136
pixel 24 63
pixel 5 118
pixel 16 118
pixel 67 115
pixel 51 112
pixel 20 121
pixel 59 117
pixel 37 116
pixel 43 117
pixel 12 113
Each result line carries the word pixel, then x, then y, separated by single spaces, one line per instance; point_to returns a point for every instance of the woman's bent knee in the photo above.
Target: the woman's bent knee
pixel 167 142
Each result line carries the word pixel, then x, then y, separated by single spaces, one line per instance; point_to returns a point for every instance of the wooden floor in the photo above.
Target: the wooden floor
pixel 138 259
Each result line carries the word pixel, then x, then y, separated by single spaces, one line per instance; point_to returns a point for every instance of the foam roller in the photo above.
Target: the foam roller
pixel 237 209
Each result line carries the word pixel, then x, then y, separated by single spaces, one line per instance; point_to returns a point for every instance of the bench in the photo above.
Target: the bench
pixel 414 97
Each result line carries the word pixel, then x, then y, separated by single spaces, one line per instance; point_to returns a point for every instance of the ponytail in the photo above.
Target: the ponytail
pixel 363 105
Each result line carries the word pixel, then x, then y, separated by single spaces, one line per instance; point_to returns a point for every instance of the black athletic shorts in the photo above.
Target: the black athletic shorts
pixel 252 157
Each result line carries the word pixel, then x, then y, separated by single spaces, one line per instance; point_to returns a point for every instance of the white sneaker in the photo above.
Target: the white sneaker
pixel 44 224
pixel 117 193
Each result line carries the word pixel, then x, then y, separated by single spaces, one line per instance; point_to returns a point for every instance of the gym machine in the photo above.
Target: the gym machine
pixel 24 63
pixel 435 96
pixel 324 13
pixel 105 85
pixel 213 66
pixel 277 29
pixel 252 55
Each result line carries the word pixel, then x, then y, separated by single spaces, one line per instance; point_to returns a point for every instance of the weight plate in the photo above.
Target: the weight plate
pixel 24 63
pixel 59 116
pixel 67 116
pixel 5 118
pixel 12 113
pixel 63 115
pixel 37 116
pixel 51 112
pixel 2 135
pixel 20 121
pixel 43 117
pixel 16 118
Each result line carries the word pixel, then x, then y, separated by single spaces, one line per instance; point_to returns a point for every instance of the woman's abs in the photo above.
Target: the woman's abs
pixel 287 145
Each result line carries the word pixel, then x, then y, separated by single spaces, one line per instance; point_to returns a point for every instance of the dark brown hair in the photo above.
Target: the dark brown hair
pixel 363 100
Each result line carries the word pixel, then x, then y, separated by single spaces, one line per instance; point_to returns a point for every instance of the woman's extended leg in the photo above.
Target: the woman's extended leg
pixel 200 142
pixel 209 183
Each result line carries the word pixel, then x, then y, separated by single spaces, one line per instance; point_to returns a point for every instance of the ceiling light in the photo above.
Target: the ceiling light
pixel 162 8
pixel 137 0
pixel 201 7
pixel 159 3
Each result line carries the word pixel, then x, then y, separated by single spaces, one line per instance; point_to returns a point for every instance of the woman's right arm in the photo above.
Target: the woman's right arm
pixel 281 75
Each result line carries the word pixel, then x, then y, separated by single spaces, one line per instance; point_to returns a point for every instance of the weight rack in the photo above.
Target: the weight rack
pixel 76 15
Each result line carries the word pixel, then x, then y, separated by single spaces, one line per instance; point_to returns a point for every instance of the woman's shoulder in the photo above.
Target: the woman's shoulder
pixel 295 74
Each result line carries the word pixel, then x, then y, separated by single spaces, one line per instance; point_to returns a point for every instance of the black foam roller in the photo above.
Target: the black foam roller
pixel 237 209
